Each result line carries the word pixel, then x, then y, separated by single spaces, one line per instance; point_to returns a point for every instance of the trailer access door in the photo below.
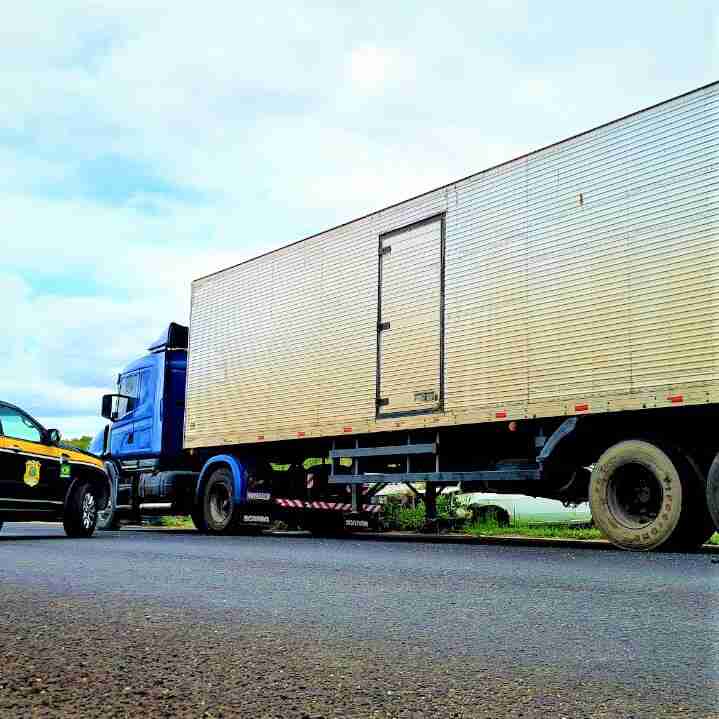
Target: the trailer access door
pixel 410 319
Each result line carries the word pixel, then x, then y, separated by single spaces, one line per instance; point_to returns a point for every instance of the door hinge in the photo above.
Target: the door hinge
pixel 382 326
pixel 386 250
pixel 382 401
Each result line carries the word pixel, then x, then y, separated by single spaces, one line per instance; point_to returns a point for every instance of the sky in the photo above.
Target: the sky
pixel 143 144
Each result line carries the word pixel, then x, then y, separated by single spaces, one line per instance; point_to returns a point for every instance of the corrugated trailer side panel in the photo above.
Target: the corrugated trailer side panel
pixel 582 275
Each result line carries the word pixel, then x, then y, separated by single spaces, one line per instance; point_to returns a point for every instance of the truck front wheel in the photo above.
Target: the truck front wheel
pixel 218 506
pixel 643 497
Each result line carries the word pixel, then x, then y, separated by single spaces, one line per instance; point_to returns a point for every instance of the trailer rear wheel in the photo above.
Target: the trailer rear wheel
pixel 713 492
pixel 219 509
pixel 695 525
pixel 643 497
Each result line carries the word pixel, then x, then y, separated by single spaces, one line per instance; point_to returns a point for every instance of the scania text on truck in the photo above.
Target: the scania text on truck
pixel 547 326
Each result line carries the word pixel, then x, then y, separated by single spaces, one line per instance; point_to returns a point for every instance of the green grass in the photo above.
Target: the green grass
pixel 528 529
pixel 410 520
pixel 544 531
pixel 178 522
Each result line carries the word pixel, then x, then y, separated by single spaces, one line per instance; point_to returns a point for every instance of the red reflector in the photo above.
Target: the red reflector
pixel 346 429
pixel 581 407
pixel 512 426
pixel 676 398
pixel 260 437
pixel 502 414
pixel 300 434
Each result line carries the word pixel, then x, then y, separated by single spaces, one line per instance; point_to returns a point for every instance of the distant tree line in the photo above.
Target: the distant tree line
pixel 79 442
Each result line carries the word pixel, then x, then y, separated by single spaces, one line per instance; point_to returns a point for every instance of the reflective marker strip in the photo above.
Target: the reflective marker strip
pixel 335 506
pixel 581 407
pixel 676 398
pixel 34 501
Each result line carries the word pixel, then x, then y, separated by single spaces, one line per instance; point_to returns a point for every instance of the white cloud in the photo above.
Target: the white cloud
pixel 374 70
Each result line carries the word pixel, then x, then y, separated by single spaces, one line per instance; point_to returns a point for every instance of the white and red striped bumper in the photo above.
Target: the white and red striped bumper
pixel 331 506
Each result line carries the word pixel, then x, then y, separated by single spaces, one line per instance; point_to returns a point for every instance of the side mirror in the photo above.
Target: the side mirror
pixel 106 410
pixel 116 406
pixel 54 437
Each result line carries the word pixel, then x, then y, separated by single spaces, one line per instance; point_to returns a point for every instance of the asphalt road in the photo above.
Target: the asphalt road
pixel 135 623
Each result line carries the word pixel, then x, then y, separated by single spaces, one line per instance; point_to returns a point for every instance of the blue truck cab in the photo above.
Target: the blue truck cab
pixel 142 446
pixel 148 409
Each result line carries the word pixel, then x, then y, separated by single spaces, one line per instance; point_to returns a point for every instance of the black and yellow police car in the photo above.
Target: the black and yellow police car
pixel 42 479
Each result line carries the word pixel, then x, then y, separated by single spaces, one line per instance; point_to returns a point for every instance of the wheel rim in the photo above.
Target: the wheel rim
pixel 89 511
pixel 634 496
pixel 220 504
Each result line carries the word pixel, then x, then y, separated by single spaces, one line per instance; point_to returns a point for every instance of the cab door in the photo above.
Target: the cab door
pixel 122 434
pixel 29 469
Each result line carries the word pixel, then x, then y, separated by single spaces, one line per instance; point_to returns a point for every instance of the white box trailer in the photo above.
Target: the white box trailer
pixel 580 278
pixel 550 322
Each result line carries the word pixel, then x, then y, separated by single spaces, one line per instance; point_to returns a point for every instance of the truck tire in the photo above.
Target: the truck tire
pixel 80 517
pixel 644 497
pixel 219 509
pixel 108 519
pixel 713 492
pixel 696 525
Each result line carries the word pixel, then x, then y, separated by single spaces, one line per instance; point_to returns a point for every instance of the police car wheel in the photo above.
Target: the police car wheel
pixel 81 511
